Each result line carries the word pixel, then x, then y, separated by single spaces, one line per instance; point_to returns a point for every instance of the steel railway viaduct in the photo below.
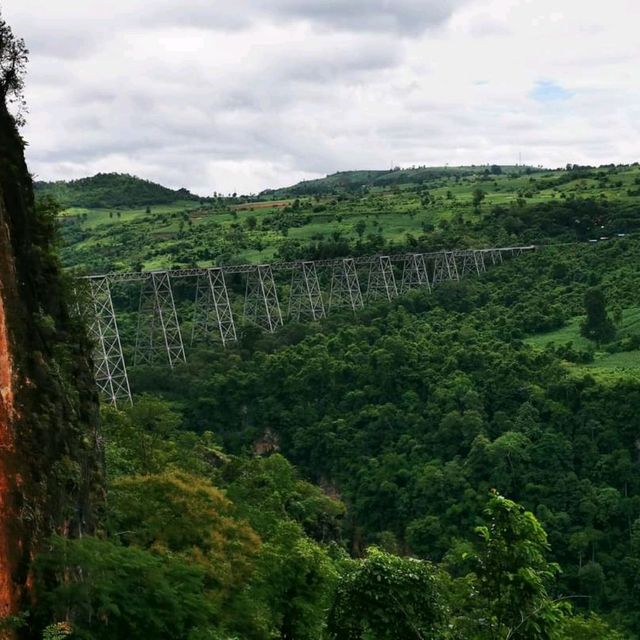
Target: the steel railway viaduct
pixel 349 283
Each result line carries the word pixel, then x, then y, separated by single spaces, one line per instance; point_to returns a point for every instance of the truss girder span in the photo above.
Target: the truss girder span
pixel 481 266
pixel 469 263
pixel 466 264
pixel 110 368
pixel 444 267
pixel 158 335
pixel 261 304
pixel 495 255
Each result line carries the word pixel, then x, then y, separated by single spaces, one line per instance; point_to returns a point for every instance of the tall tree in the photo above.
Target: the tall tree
pixel 477 198
pixel 508 595
pixel 386 597
pixel 598 325
pixel 13 64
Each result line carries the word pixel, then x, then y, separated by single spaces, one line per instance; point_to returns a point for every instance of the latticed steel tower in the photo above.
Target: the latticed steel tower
pixel 110 368
pixel 159 334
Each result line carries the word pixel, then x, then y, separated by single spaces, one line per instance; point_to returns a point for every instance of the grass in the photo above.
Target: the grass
pixel 624 363
pixel 94 218
pixel 625 360
pixel 570 333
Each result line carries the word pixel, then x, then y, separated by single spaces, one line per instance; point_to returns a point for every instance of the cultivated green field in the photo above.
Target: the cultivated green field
pixel 453 207
pixel 624 363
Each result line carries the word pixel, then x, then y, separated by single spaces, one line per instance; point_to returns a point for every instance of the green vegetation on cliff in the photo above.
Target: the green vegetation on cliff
pixel 49 474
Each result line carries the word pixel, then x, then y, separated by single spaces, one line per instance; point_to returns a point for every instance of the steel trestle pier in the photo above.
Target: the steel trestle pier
pixel 315 289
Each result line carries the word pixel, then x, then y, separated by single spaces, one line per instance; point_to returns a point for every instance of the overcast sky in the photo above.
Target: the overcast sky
pixel 222 95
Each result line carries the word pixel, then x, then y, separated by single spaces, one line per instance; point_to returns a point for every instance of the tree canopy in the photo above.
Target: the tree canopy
pixel 13 65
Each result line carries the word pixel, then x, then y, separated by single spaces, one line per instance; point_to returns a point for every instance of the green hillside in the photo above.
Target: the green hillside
pixel 354 181
pixel 111 190
pixel 457 207
pixel 621 358
pixel 458 461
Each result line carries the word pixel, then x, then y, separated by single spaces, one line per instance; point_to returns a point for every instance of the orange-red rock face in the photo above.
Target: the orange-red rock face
pixel 8 475
pixel 50 468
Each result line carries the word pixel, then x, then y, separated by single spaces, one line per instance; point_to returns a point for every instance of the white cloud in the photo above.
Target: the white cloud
pixel 220 96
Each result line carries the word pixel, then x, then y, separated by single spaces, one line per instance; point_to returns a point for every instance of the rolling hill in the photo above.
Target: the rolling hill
pixel 354 181
pixel 113 222
pixel 111 190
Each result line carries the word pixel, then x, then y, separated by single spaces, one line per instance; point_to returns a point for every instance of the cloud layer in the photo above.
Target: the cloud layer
pixel 220 96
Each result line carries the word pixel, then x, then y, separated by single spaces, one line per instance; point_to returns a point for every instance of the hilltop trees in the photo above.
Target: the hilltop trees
pixel 116 191
pixel 477 196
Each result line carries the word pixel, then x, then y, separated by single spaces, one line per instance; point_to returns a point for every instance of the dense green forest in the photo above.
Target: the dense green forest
pixel 110 190
pixel 465 460
pixel 412 413
pixel 412 420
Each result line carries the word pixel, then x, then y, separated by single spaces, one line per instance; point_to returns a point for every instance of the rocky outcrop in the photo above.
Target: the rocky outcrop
pixel 49 474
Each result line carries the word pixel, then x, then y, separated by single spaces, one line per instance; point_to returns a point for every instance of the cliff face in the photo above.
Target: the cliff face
pixel 49 476
pixel 8 478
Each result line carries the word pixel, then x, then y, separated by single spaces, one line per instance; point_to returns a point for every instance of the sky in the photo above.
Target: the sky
pixel 221 96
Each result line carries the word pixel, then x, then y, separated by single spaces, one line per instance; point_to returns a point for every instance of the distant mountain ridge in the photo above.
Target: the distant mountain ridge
pixel 113 190
pixel 105 190
pixel 352 181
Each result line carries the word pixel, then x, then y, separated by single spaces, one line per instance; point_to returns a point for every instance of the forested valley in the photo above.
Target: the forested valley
pixel 461 463
pixel 454 464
